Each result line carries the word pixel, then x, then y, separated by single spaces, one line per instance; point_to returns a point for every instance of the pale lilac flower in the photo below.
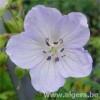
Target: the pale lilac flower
pixel 51 47
pixel 3 3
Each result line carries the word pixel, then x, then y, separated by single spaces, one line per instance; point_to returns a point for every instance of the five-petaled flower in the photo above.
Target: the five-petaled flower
pixel 51 47
pixel 3 3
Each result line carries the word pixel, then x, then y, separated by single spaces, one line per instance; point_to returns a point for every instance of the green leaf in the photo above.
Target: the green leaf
pixel 40 96
pixel 3 96
pixel 93 84
pixel 6 95
pixel 96 72
pixel 69 83
pixel 61 94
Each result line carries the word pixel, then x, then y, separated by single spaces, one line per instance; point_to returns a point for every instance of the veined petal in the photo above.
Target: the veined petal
pixel 76 63
pixel 62 69
pixel 74 30
pixel 47 76
pixel 24 51
pixel 41 20
pixel 76 16
pixel 35 77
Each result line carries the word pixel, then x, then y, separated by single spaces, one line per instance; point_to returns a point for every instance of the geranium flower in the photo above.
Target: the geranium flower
pixel 3 3
pixel 51 47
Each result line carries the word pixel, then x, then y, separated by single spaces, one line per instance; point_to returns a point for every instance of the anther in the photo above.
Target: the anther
pixel 61 41
pixel 47 42
pixel 56 59
pixel 63 56
pixel 55 43
pixel 49 58
pixel 62 50
pixel 44 51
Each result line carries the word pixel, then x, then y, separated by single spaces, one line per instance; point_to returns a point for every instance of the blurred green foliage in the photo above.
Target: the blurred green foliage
pixel 6 88
pixel 12 27
pixel 3 10
pixel 91 8
pixel 3 58
pixel 3 41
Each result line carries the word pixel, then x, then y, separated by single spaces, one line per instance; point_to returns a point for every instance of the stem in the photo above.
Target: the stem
pixel 20 11
pixel 19 85
pixel 3 23
pixel 15 19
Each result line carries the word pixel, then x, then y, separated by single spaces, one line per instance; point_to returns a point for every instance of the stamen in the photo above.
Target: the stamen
pixel 49 58
pixel 44 51
pixel 62 50
pixel 61 41
pixel 63 56
pixel 47 41
pixel 55 42
pixel 56 59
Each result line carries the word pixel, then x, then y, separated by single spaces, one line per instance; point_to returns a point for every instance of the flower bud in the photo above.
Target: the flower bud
pixel 3 41
pixel 19 72
pixel 3 58
pixel 13 6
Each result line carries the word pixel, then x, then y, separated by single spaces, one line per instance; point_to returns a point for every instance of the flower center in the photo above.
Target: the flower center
pixel 53 49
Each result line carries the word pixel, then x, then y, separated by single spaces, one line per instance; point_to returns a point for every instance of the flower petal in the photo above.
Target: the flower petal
pixel 76 63
pixel 46 75
pixel 76 16
pixel 41 20
pixel 62 69
pixel 24 51
pixel 74 30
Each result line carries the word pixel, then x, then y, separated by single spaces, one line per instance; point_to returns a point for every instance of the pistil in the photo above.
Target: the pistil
pixel 53 50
